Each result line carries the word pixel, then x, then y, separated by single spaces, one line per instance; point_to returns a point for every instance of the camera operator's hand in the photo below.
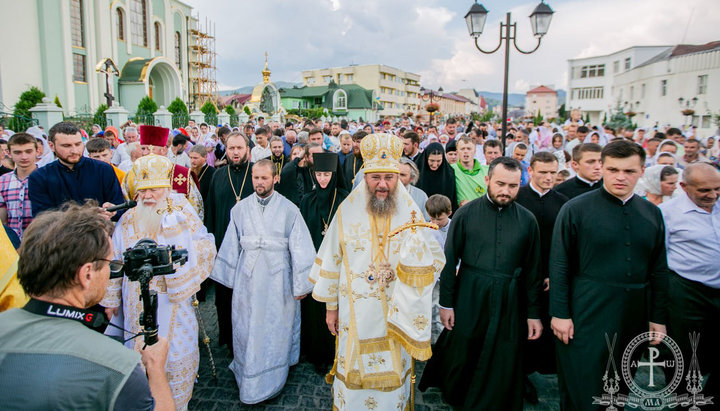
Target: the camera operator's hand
pixel 105 213
pixel 111 312
pixel 154 358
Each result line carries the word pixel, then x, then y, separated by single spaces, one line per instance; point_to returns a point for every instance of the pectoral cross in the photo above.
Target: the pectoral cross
pixel 170 208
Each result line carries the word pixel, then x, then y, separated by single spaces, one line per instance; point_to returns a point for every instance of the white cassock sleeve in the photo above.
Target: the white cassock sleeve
pixel 302 253
pixel 228 258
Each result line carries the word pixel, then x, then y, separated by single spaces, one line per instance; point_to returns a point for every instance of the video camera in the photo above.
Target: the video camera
pixel 143 262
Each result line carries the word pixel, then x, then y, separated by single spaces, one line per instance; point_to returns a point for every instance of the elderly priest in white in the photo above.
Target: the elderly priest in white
pixel 375 271
pixel 265 258
pixel 169 219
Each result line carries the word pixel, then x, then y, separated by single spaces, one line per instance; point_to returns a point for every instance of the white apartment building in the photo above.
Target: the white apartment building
pixel 590 80
pixel 653 89
pixel 397 91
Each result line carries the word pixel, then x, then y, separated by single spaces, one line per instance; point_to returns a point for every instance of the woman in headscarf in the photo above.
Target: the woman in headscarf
pixel 112 136
pixel 451 154
pixel 595 137
pixel 658 183
pixel 45 154
pixel 665 146
pixel 436 175
pixel 318 208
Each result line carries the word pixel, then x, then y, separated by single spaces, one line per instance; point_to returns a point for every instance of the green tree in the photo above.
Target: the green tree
pixel 99 117
pixel 208 108
pixel 618 119
pixel 57 101
pixel 28 100
pixel 538 119
pixel 230 110
pixel 562 114
pixel 587 118
pixel 178 107
pixel 247 111
pixel 146 107
pixel 210 112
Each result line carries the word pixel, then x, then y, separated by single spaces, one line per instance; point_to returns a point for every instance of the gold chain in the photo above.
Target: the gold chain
pixel 325 224
pixel 238 197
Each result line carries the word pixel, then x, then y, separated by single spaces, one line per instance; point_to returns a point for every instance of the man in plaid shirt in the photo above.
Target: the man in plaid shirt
pixel 15 209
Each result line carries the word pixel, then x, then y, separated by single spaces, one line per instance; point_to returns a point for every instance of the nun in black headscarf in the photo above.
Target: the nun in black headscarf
pixel 436 175
pixel 318 208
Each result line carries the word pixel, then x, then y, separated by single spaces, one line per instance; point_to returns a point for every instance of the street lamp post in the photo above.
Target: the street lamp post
pixel 540 22
pixel 425 96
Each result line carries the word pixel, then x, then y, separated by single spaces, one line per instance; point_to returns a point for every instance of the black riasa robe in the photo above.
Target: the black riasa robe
pixel 220 200
pixel 540 353
pixel 574 187
pixel 477 365
pixel 608 272
pixel 316 342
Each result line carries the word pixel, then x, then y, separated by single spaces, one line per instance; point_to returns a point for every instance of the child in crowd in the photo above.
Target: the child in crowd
pixel 439 208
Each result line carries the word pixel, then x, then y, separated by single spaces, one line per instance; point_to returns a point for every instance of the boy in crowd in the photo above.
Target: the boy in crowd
pixel 439 208
pixel 100 149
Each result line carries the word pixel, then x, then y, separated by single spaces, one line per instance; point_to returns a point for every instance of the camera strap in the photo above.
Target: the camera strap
pixel 89 318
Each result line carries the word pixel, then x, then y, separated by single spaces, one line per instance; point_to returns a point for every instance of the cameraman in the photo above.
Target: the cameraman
pixel 50 357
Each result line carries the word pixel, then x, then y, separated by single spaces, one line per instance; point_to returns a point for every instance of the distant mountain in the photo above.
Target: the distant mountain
pixel 514 99
pixel 249 89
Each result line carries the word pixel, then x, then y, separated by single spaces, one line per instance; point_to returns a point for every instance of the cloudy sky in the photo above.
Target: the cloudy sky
pixel 430 37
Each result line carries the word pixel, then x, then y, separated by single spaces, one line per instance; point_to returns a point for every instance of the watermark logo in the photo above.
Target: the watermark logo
pixel 652 373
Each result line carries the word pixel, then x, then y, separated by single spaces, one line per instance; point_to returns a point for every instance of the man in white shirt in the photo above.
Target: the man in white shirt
pixel 692 237
pixel 262 145
pixel 177 152
pixel 121 153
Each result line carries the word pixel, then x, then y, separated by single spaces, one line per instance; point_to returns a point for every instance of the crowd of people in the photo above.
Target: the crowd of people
pixel 362 247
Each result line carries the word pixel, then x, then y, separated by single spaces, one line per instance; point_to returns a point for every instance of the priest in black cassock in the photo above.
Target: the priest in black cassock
pixel 608 276
pixel 539 197
pixel 586 162
pixel 229 185
pixel 353 163
pixel 492 304
pixel 279 159
pixel 318 208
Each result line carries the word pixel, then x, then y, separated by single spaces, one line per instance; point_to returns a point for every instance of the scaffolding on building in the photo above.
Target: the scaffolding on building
pixel 202 81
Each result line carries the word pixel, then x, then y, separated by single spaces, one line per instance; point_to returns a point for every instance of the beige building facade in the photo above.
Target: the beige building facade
pixel 542 99
pixel 397 91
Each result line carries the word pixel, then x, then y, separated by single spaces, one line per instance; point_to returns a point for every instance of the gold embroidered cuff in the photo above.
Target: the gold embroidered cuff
pixel 318 261
pixel 416 276
pixel 331 275
pixel 420 350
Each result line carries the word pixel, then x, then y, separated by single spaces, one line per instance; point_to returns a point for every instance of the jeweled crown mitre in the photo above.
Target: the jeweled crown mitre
pixel 381 153
pixel 152 171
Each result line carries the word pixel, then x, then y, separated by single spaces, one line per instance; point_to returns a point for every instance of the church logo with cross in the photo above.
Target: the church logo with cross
pixel 652 372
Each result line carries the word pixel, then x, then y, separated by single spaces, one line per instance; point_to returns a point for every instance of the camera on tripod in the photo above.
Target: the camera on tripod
pixel 143 262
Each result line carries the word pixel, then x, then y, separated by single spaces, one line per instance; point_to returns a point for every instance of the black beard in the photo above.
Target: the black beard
pixel 497 202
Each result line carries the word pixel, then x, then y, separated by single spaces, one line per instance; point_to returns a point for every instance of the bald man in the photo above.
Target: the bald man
pixel 692 232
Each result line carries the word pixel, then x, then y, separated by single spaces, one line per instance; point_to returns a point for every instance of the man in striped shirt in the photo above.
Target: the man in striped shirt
pixel 15 209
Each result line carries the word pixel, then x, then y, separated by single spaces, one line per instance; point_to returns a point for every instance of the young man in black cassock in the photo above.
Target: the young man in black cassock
pixel 608 276
pixel 229 185
pixel 586 162
pixel 492 304
pixel 353 163
pixel 539 197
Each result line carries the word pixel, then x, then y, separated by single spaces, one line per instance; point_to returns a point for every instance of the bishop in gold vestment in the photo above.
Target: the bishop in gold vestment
pixel 376 279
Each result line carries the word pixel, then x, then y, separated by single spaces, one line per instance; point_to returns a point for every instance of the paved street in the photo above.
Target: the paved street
pixel 305 389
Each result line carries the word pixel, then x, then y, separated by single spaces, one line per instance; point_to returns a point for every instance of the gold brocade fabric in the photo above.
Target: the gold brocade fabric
pixel 176 316
pixel 357 271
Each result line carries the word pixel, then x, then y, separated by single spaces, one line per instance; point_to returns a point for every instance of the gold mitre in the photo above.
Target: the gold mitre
pixel 152 171
pixel 381 153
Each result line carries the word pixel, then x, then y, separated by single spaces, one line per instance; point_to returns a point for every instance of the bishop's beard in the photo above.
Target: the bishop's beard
pixel 381 208
pixel 147 219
